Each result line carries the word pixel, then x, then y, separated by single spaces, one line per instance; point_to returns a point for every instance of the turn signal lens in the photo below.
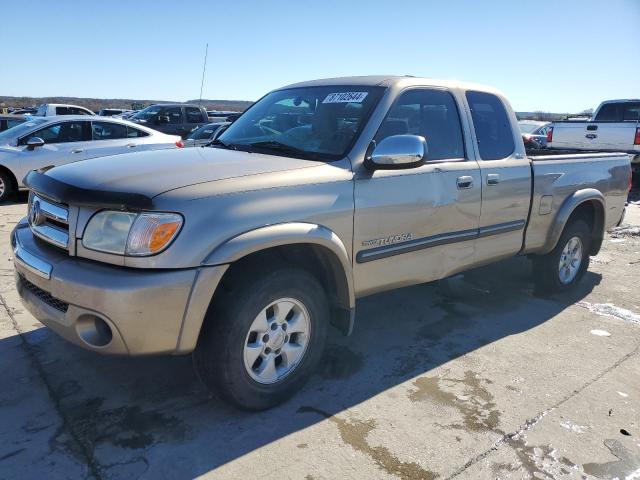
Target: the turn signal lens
pixel 179 144
pixel 152 232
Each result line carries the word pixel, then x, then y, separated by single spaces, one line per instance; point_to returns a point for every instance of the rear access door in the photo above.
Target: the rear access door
pixel 505 177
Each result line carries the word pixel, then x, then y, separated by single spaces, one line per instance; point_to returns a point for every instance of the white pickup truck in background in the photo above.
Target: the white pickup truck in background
pixel 614 127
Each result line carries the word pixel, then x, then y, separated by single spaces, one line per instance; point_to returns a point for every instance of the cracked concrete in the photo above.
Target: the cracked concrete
pixel 494 383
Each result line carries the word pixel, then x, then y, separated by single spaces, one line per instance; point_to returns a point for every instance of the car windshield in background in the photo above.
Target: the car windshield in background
pixel 528 127
pixel 148 113
pixel 19 130
pixel 313 122
pixel 203 132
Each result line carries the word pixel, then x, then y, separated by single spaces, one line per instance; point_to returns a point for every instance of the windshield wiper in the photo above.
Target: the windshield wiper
pixel 280 147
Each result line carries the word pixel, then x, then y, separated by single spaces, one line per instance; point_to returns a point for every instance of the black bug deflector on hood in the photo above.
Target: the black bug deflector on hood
pixel 61 192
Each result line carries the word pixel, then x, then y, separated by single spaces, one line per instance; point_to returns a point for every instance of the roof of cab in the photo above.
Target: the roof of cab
pixel 389 80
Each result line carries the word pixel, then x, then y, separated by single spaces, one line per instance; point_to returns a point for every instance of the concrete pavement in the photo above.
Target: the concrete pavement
pixel 496 383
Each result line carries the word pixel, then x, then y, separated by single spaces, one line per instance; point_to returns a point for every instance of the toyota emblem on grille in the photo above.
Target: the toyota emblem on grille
pixel 36 217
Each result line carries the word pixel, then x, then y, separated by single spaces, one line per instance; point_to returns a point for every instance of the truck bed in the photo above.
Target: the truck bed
pixel 558 175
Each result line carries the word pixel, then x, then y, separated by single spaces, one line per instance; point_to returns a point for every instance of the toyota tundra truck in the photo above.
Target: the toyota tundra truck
pixel 244 253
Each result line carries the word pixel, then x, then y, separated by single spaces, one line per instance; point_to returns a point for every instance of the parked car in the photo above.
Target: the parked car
pixel 8 121
pixel 110 112
pixel 614 127
pixel 174 119
pixel 50 141
pixel 23 111
pixel 534 134
pixel 320 193
pixel 205 134
pixel 52 109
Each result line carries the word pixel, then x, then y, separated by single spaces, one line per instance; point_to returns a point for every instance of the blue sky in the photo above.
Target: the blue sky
pixel 552 55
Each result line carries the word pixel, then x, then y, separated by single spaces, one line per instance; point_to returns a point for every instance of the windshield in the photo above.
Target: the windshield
pixel 204 132
pixel 312 122
pixel 528 127
pixel 149 112
pixel 19 130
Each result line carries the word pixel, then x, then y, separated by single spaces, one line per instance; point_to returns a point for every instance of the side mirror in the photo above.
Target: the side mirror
pixel 162 120
pixel 398 151
pixel 34 142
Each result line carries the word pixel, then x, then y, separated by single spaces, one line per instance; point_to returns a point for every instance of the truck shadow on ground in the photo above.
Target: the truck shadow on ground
pixel 151 417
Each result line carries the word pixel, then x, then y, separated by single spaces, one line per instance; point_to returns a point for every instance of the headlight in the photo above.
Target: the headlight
pixel 135 234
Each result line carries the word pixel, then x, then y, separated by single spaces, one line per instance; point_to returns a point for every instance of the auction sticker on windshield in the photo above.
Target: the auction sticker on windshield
pixel 345 97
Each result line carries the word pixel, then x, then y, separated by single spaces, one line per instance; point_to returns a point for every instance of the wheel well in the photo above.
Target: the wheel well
pixel 12 177
pixel 317 260
pixel 592 212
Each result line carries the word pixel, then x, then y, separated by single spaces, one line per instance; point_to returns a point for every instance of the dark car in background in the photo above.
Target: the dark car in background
pixel 8 121
pixel 534 133
pixel 172 118
pixel 205 134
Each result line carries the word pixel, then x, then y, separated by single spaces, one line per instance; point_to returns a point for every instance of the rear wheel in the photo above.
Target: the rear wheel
pixel 565 265
pixel 264 339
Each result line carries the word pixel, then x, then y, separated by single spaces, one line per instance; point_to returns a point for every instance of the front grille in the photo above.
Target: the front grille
pixel 43 295
pixel 49 221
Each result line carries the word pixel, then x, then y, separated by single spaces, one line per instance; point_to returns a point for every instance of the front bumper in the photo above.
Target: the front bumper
pixel 112 309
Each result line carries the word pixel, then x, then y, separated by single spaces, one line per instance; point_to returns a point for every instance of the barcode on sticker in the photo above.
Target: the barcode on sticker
pixel 345 97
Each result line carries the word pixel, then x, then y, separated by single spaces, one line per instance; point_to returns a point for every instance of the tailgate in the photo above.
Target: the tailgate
pixel 616 136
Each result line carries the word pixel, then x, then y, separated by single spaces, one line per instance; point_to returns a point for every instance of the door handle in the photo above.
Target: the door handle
pixel 591 136
pixel 493 179
pixel 132 145
pixel 77 150
pixel 465 182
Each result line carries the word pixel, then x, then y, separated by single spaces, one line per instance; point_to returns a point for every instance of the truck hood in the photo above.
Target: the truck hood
pixel 154 172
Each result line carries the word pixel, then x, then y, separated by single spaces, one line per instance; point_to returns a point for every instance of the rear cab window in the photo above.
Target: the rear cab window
pixel 492 125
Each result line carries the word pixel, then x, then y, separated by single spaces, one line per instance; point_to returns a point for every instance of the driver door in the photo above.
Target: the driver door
pixel 64 142
pixel 419 224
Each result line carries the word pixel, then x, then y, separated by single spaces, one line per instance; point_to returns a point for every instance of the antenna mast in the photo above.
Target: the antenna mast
pixel 204 68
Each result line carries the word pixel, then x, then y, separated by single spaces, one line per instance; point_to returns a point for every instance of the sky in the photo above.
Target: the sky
pixel 558 56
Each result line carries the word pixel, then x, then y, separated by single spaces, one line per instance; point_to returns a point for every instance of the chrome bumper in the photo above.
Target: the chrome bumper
pixel 29 261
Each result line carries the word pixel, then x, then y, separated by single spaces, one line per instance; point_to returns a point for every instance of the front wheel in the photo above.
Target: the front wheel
pixel 259 346
pixel 6 186
pixel 565 265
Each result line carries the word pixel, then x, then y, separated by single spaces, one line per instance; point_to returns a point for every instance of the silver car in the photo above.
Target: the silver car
pixel 51 141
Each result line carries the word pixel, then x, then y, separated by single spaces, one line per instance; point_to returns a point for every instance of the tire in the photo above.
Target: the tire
pixel 223 357
pixel 548 274
pixel 6 186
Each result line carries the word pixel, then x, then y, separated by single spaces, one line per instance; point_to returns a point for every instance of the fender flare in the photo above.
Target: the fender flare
pixel 282 234
pixel 564 213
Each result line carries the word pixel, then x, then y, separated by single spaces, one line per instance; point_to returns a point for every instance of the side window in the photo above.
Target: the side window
pixel 193 115
pixel 492 126
pixel 108 131
pixel 59 133
pixel 174 114
pixel 77 111
pixel 135 133
pixel 62 111
pixel 632 112
pixel 13 123
pixel 429 113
